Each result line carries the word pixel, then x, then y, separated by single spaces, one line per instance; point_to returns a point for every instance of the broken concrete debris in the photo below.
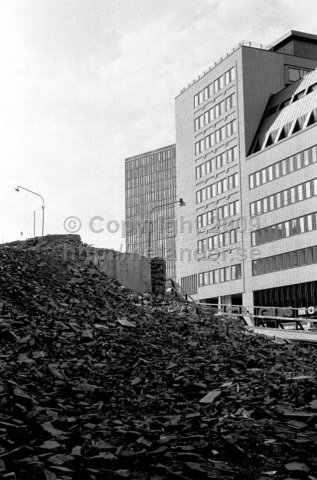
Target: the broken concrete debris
pixel 98 382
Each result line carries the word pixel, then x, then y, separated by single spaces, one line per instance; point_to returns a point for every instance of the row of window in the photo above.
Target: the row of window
pixel 289 228
pixel 159 192
pixel 140 186
pixel 148 198
pixel 220 275
pixel 158 248
pixel 214 87
pixel 217 162
pixel 150 158
pixel 284 261
pixel 286 197
pixel 155 178
pixel 164 215
pixel 292 99
pixel 215 137
pixel 163 196
pixel 189 284
pixel 215 112
pixel 152 171
pixel 290 128
pixel 163 245
pixel 283 167
pixel 218 241
pixel 134 194
pixel 217 214
pixel 222 186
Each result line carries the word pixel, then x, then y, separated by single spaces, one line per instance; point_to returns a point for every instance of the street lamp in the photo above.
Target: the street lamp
pixel 38 195
pixel 181 203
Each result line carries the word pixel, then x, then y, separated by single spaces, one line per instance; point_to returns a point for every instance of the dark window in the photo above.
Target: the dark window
pixel 294 224
pixel 268 264
pixel 285 103
pixel 272 233
pixel 286 260
pixel 257 147
pixel 294 259
pixel 279 262
pixel 298 95
pixel 285 131
pixel 312 118
pixel 312 88
pixel 255 268
pixel 301 257
pixel 309 255
pixel 274 263
pixel 270 140
pixel 272 110
pixel 299 124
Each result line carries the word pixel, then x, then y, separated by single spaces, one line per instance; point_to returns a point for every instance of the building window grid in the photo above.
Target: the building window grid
pixel 285 261
pixel 220 275
pixel 220 213
pixel 213 164
pixel 214 87
pixel 286 197
pixel 219 109
pixel 216 137
pixel 283 167
pixel 223 239
pixel 222 186
pixel 288 228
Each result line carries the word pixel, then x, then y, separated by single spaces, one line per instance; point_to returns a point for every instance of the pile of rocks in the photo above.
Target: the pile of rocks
pixel 98 382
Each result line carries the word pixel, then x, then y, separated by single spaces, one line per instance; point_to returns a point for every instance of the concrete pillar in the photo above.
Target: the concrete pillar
pixel 219 303
pixel 227 299
pixel 247 301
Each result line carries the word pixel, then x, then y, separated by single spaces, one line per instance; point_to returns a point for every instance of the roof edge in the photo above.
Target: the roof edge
pixel 293 33
pixel 156 150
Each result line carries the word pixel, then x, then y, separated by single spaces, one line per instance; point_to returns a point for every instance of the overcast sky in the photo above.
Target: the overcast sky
pixel 87 83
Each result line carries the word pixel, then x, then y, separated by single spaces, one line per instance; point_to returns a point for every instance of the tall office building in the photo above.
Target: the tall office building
pixel 150 190
pixel 246 137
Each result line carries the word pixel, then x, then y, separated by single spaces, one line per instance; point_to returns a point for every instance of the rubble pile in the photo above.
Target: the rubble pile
pixel 98 382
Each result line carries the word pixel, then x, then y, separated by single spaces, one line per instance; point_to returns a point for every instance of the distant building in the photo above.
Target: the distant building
pixel 150 197
pixel 246 136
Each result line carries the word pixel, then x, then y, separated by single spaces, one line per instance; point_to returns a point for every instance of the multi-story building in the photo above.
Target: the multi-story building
pixel 150 191
pixel 282 196
pixel 246 167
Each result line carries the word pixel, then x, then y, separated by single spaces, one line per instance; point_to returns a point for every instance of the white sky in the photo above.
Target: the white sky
pixel 87 83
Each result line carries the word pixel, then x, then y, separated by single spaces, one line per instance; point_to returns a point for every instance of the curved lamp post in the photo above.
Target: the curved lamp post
pixel 181 203
pixel 38 195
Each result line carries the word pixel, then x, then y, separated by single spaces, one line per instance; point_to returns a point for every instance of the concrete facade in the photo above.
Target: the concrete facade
pixel 259 74
pixel 138 273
